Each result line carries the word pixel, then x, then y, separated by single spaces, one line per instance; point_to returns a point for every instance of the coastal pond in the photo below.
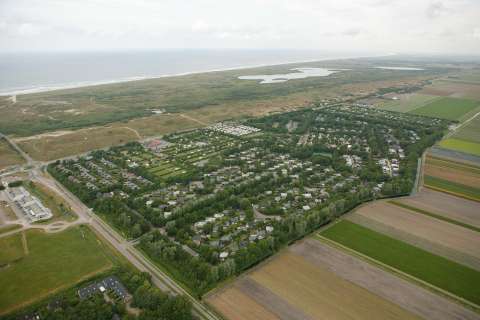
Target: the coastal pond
pixel 300 73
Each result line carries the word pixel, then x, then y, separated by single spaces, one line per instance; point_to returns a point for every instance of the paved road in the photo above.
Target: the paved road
pixel 126 248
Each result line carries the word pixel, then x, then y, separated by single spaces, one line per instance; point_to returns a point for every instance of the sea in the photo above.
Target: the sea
pixel 22 73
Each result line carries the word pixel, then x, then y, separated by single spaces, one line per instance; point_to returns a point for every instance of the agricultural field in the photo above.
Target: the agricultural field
pixel 308 293
pixel 9 156
pixel 457 189
pixel 461 145
pixel 319 277
pixel 433 269
pixel 227 196
pixel 407 102
pixel 470 131
pixel 451 177
pixel 42 264
pixel 447 108
pixel 440 237
pixel 453 171
pixel 445 205
pixel 455 89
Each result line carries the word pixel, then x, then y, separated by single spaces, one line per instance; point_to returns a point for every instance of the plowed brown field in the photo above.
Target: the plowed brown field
pixel 443 238
pixel 449 206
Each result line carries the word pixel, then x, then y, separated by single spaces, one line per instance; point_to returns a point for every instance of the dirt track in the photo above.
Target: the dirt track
pixel 407 295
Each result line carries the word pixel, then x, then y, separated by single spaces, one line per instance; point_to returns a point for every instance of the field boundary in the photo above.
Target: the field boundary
pixel 400 273
pixel 434 215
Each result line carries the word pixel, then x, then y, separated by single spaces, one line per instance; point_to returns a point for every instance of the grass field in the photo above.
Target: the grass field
pixel 54 262
pixel 76 142
pixel 9 227
pixel 408 102
pixel 454 188
pixel 438 271
pixel 447 108
pixel 461 145
pixel 8 156
pixel 12 249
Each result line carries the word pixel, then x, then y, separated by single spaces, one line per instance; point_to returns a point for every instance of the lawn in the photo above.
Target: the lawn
pixel 438 271
pixel 461 145
pixel 12 249
pixel 452 187
pixel 54 262
pixel 447 108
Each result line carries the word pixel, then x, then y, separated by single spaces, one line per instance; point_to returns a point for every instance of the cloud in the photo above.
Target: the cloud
pixel 335 25
pixel 352 32
pixel 476 33
pixel 436 9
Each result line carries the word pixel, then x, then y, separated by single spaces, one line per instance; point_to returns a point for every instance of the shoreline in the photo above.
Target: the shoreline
pixel 83 84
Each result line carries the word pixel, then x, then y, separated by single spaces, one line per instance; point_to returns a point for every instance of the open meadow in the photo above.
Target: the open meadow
pixel 445 274
pixel 41 264
pixel 8 155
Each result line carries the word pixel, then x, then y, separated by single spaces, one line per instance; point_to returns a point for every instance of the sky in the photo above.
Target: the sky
pixel 376 26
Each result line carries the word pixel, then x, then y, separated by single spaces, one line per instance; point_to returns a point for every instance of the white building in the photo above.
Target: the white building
pixel 31 206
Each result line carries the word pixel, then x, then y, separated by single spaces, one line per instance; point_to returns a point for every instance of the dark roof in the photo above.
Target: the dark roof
pixel 109 283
